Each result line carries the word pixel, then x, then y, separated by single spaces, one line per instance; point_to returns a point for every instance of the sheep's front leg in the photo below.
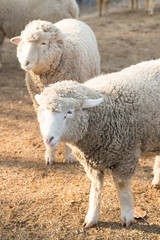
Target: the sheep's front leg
pixel 94 198
pixel 68 154
pixel 131 5
pixel 49 155
pixel 125 198
pixel 99 6
pixel 156 171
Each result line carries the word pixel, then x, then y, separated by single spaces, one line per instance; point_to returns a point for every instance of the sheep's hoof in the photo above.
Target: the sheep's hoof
pixel 49 156
pixel 49 161
pixel 156 186
pixel 88 225
pixel 126 224
pixel 150 13
pixel 156 181
pixel 69 158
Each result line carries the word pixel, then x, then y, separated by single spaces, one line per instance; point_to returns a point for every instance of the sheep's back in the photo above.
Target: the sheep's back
pixel 82 47
pixel 135 91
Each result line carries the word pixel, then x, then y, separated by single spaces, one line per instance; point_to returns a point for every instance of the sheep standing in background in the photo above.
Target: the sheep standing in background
pixel 52 52
pixel 149 6
pixel 112 120
pixel 15 14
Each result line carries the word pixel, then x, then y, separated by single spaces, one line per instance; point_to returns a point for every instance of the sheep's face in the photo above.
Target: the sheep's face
pixel 53 125
pixel 38 55
pixel 69 125
pixel 38 48
pixel 32 53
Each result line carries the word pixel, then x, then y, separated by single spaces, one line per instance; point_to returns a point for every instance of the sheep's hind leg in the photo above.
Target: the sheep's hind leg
pixel 105 4
pixel 125 198
pixel 136 4
pixel 0 56
pixel 49 155
pixel 151 7
pixel 156 171
pixel 94 198
pixel 131 5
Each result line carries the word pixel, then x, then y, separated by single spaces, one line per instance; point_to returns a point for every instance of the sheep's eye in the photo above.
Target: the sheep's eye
pixel 43 43
pixel 69 112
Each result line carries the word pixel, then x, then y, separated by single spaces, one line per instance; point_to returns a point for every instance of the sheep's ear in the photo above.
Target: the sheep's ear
pixel 61 36
pixel 89 103
pixel 15 40
pixel 37 97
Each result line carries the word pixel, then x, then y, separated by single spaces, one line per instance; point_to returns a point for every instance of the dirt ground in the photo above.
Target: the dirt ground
pixel 50 202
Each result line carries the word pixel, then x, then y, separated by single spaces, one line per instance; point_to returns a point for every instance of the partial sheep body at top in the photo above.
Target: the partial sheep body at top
pixel 51 52
pixel 111 121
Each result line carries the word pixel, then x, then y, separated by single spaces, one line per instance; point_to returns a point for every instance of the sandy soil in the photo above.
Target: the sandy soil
pixel 50 202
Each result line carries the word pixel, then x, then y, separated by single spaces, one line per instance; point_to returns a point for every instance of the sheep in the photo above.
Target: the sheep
pixel 111 121
pixel 15 14
pixel 149 6
pixel 52 52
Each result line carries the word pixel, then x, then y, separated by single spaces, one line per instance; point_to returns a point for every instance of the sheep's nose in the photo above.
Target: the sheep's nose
pixel 48 140
pixel 26 63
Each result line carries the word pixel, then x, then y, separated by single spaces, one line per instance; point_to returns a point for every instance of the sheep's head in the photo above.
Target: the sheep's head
pixel 39 46
pixel 63 118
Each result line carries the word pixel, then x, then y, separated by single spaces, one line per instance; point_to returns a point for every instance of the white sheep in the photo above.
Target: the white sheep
pixel 149 6
pixel 15 14
pixel 52 52
pixel 112 120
